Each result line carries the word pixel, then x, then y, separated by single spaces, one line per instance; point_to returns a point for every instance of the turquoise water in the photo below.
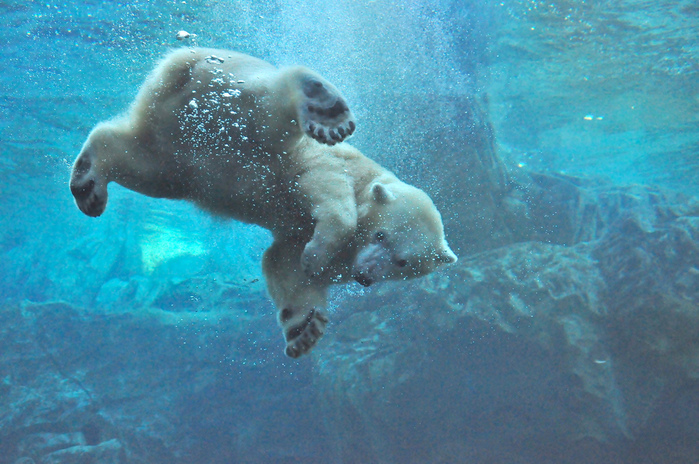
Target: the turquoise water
pixel 559 139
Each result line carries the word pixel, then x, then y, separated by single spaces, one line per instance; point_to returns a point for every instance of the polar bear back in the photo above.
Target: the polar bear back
pixel 199 122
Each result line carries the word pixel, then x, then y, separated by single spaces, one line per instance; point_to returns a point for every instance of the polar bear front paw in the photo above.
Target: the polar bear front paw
pixel 302 333
pixel 324 113
pixel 89 189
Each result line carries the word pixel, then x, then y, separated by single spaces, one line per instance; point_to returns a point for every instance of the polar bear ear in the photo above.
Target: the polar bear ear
pixel 382 194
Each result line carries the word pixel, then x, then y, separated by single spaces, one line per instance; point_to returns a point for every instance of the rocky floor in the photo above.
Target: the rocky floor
pixel 581 349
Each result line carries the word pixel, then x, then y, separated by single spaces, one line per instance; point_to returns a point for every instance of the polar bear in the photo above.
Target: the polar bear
pixel 243 139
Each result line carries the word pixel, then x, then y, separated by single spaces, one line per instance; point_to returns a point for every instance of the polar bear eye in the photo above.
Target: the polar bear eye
pixel 380 236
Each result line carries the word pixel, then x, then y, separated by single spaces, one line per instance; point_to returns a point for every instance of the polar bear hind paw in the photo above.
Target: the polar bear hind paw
pixel 303 336
pixel 89 192
pixel 324 113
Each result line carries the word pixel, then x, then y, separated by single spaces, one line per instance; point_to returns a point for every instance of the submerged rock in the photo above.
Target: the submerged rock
pixel 121 386
pixel 587 343
pixel 108 452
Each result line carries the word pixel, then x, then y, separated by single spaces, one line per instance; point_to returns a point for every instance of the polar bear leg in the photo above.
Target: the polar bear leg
pixel 336 223
pixel 326 186
pixel 322 110
pixel 300 301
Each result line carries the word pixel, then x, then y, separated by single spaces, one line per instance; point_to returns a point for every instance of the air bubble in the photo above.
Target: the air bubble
pixel 182 35
pixel 214 59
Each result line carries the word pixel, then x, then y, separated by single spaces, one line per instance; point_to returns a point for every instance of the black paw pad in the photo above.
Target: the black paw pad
pixel 304 336
pixel 89 200
pixel 337 109
pixel 286 314
pixel 324 113
pixel 313 88
pixel 82 191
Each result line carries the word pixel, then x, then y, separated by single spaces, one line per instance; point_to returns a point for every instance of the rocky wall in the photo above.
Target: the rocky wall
pixel 572 350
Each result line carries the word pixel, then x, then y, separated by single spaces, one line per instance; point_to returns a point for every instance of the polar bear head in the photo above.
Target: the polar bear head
pixel 402 235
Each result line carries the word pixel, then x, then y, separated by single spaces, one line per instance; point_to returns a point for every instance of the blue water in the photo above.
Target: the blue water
pixel 559 139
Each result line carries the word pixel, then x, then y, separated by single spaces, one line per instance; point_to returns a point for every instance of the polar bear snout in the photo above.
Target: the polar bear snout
pixel 371 264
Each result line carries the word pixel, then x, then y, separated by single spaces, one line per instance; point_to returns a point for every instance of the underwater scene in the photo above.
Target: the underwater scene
pixel 552 146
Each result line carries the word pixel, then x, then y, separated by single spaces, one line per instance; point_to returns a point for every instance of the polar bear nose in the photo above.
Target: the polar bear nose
pixel 363 280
